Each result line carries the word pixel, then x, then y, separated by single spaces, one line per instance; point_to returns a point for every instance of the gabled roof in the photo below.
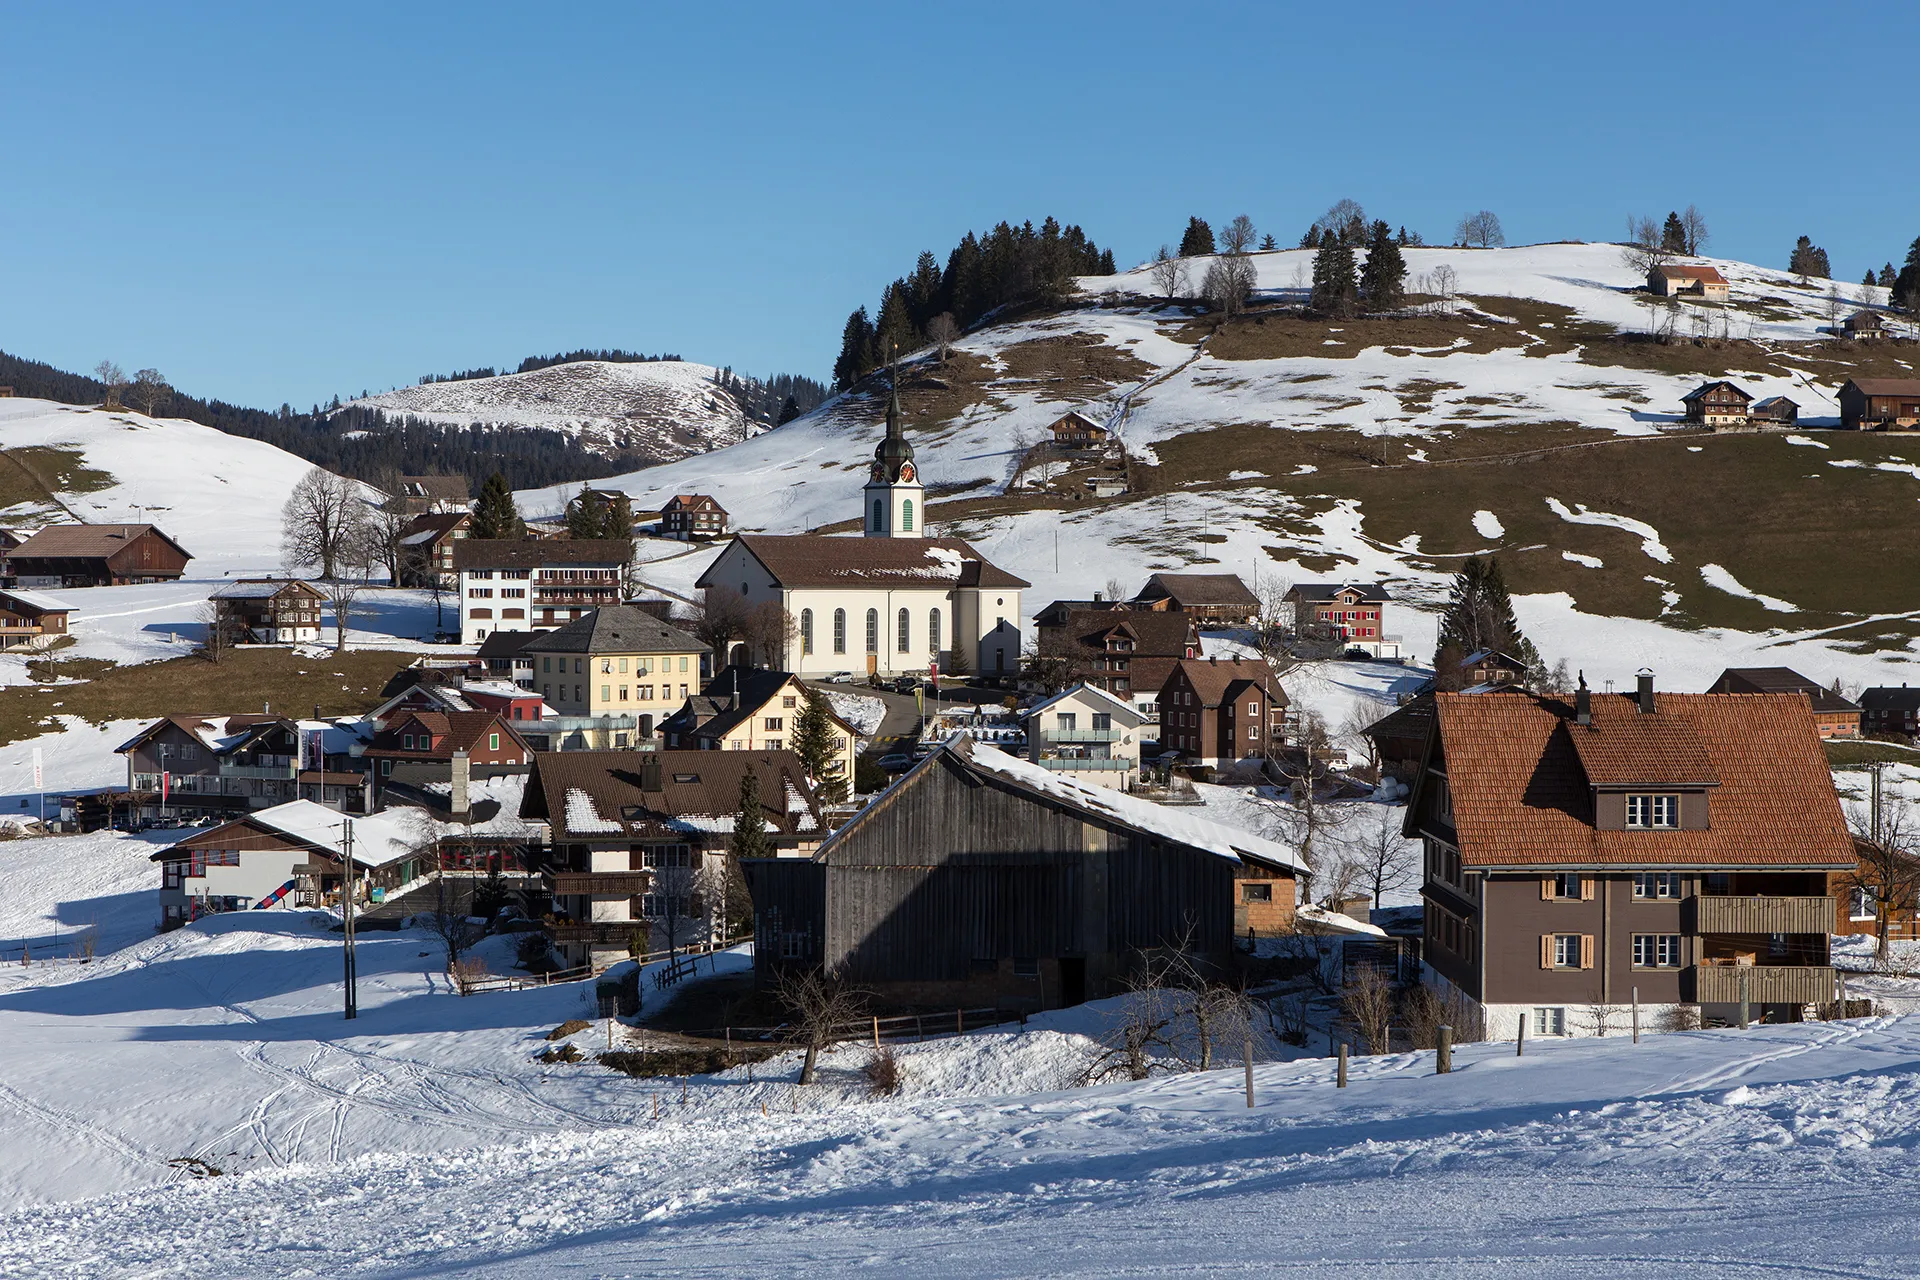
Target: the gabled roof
pixel 1865 386
pixel 261 589
pixel 1517 772
pixel 378 839
pixel 818 560
pixel 219 734
pixel 1215 680
pixel 1780 680
pixel 1099 698
pixel 505 644
pixel 437 488
pixel 692 502
pixel 1411 720
pixel 1099 804
pixel 1888 698
pixel 735 695
pixel 36 601
pixel 1321 592
pixel 1705 387
pixel 1162 635
pixel 506 553
pixel 600 794
pixel 1773 402
pixel 615 628
pixel 1072 416
pixel 1863 320
pixel 87 541
pixel 434 526
pixel 453 730
pixel 1688 271
pixel 1199 590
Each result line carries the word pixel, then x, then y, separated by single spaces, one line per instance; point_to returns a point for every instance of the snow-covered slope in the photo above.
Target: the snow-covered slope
pixel 664 409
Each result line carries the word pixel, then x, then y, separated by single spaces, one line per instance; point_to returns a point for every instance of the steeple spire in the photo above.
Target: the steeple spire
pixel 892 498
pixel 893 401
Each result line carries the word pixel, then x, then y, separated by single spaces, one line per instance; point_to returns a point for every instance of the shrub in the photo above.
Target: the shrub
pixel 534 951
pixel 567 1028
pixel 1678 1017
pixel 882 1072
pixel 466 971
pixel 568 1052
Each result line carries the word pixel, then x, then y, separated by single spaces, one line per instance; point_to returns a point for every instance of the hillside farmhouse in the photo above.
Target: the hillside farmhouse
pixel 1774 411
pixel 1886 709
pixel 1866 404
pixel 31 619
pixel 1074 430
pixel 1833 715
pixel 1211 599
pixel 1863 326
pixel 268 610
pixel 1350 613
pixel 97 555
pixel 1127 652
pixel 693 517
pixel 1687 280
pixel 1716 404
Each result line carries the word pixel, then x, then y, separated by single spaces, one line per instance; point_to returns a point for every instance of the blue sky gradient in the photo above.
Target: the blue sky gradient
pixel 271 204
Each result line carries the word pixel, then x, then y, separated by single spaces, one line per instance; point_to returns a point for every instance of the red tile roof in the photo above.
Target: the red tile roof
pixel 1516 766
pixel 1684 271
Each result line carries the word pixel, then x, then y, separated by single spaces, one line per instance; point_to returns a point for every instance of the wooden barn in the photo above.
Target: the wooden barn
pixel 97 555
pixel 1865 404
pixel 982 879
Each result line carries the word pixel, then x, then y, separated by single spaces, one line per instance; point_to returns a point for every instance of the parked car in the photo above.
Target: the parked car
pixel 906 684
pixel 895 762
pixel 839 677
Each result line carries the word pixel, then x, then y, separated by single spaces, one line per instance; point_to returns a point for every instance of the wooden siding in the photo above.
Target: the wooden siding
pixel 1716 914
pixel 1766 983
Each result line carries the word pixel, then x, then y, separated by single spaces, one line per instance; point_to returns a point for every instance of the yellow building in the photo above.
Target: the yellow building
pixel 617 660
pixel 748 710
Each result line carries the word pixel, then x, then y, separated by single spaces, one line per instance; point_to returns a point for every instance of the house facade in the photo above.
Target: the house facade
pixel 693 517
pixel 269 610
pixel 1863 326
pixel 1687 280
pixel 1890 710
pixel 981 879
pixel 1671 848
pixel 1087 734
pixel 426 548
pixel 1834 715
pixel 638 858
pixel 1353 614
pixel 1866 404
pixel 96 555
pixel 1716 404
pixel 1074 430
pixel 745 709
pixel 616 660
pixel 535 585
pixel 31 619
pixel 1215 712
pixel 1129 653
pixel 1211 599
pixel 1774 411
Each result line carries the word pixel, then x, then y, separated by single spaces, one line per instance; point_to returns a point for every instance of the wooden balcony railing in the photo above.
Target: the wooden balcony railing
pixel 600 882
pixel 1765 983
pixel 1714 913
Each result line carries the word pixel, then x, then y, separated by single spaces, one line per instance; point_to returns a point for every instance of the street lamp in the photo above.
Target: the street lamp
pixel 351 970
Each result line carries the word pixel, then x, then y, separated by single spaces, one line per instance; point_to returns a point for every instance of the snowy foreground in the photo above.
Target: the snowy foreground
pixel 425 1140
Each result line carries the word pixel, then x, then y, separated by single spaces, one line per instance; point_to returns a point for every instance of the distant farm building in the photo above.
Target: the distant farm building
pixel 1717 404
pixel 1685 280
pixel 1866 404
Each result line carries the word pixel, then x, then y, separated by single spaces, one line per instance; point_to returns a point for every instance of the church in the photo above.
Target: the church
pixel 891 602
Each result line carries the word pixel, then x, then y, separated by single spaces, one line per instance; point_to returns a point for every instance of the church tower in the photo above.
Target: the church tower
pixel 893 504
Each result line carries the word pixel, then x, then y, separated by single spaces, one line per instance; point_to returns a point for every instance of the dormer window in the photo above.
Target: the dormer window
pixel 1653 812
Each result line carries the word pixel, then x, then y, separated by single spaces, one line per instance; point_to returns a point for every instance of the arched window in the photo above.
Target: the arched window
pixel 839 630
pixel 906 515
pixel 879 515
pixel 933 631
pixel 904 641
pixel 873 631
pixel 806 631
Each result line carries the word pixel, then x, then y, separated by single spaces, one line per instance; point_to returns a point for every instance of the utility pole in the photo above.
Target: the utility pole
pixel 346 916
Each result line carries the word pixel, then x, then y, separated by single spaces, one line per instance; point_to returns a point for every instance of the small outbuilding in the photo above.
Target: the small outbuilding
pixel 1774 411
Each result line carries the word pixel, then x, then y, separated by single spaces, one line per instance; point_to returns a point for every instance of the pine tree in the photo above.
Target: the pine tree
pixel 586 515
pixel 1383 278
pixel 1268 244
pixel 788 412
pixel 1311 240
pixel 1887 277
pixel 1906 284
pixel 856 350
pixel 813 740
pixel 1673 236
pixel 750 822
pixel 1198 241
pixel 1333 283
pixel 494 515
pixel 1809 260
pixel 1868 279
pixel 1479 615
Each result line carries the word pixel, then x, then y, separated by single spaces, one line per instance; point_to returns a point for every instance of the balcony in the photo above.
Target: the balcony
pixel 1765 983
pixel 617 883
pixel 615 932
pixel 1085 764
pixel 278 772
pixel 1080 735
pixel 1753 915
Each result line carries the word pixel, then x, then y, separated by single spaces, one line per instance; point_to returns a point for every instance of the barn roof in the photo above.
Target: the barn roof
pixel 1865 386
pixel 817 560
pixel 87 541
pixel 1199 590
pixel 1690 271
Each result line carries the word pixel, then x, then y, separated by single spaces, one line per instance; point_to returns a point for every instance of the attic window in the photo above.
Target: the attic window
pixel 686 777
pixel 1653 813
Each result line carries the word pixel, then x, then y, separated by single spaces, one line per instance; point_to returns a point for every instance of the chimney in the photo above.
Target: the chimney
pixel 316 711
pixel 1644 694
pixel 461 773
pixel 650 777
pixel 1214 659
pixel 1096 597
pixel 1583 702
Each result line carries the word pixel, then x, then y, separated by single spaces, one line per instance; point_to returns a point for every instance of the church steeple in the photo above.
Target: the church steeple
pixel 892 503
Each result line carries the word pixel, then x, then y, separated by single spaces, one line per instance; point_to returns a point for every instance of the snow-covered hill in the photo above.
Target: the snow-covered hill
pixel 665 409
pixel 1536 421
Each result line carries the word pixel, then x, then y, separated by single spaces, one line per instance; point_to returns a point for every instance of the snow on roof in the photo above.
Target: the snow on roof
pixel 1087 693
pixel 379 839
pixel 38 600
pixel 255 589
pixel 496 688
pixel 1335 922
pixel 583 818
pixel 508 789
pixel 1142 815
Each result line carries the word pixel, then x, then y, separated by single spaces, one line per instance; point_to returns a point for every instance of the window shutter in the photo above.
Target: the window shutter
pixel 1586 951
pixel 1546 951
pixel 1546 888
pixel 1586 888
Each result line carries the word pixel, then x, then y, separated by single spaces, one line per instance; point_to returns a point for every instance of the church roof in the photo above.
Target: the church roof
pixel 819 560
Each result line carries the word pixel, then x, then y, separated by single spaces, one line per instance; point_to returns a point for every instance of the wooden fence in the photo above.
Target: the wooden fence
pixel 903 1028
pixel 684 961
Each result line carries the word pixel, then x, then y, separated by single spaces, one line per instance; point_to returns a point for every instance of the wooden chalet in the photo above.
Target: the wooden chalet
pixel 1218 599
pixel 1074 430
pixel 1870 404
pixel 1716 404
pixel 1490 669
pixel 1834 715
pixel 1774 411
pixel 418 748
pixel 982 879
pixel 269 610
pixel 1863 326
pixel 1127 652
pixel 426 548
pixel 31 619
pixel 693 517
pixel 97 555
pixel 1886 709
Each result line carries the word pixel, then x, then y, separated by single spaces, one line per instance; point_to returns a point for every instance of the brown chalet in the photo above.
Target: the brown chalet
pixel 426 547
pixel 1863 326
pixel 1866 404
pixel 1127 652
pixel 1717 404
pixel 268 610
pixel 693 517
pixel 29 619
pixel 1834 716
pixel 1676 846
pixel 1074 430
pixel 418 748
pixel 1219 598
pixel 1774 411
pixel 97 555
pixel 1214 712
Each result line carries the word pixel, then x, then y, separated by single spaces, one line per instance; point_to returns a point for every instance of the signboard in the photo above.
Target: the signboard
pixel 39 771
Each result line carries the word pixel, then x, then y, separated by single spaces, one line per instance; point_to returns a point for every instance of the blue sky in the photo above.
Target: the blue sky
pixel 269 204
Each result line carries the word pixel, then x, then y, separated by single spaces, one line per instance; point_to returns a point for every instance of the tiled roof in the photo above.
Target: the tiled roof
pixel 1705 387
pixel 1642 750
pixel 86 541
pixel 1521 796
pixel 817 560
pixel 605 793
pixel 505 553
pixel 1200 590
pixel 1412 720
pixel 1685 271
pixel 1885 386
pixel 1216 681
pixel 615 628
pixel 452 731
pixel 1159 635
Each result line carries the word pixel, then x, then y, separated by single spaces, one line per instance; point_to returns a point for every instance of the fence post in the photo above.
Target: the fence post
pixel 876 1033
pixel 1636 1015
pixel 1247 1053
pixel 1340 1073
pixel 1520 1045
pixel 919 1032
pixel 1443 1054
pixel 959 1022
pixel 1746 990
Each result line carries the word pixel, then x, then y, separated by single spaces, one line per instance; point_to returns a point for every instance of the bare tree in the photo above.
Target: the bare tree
pixel 720 620
pixel 1383 858
pixel 770 632
pixel 150 390
pixel 223 630
pixel 1836 306
pixel 1237 236
pixel 1366 1000
pixel 1480 230
pixel 1344 219
pixel 1694 223
pixel 1115 589
pixel 323 519
pixel 385 528
pixel 820 1007
pixel 1307 823
pixel 1145 1033
pixel 1645 246
pixel 1446 283
pixel 943 332
pixel 1887 870
pixel 1169 272
pixel 1229 283
pixel 1354 737
pixel 115 381
pixel 672 885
